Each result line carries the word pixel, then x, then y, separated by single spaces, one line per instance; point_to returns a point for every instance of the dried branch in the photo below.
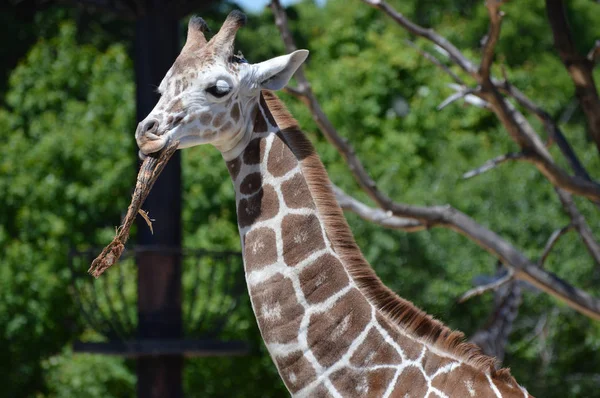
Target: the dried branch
pixel 515 123
pixel 147 176
pixel 441 216
pixel 492 337
pixel 492 37
pixel 495 285
pixel 580 224
pixel 552 241
pixel 376 216
pixel 551 127
pixel 579 67
pixel 454 53
pixel 437 63
pixel 490 164
pixel 470 95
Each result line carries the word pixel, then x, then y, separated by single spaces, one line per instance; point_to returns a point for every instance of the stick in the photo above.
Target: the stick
pixel 149 172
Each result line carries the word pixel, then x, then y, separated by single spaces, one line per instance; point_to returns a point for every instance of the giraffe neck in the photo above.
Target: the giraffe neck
pixel 324 333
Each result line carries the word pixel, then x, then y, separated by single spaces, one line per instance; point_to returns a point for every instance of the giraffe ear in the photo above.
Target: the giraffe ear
pixel 275 73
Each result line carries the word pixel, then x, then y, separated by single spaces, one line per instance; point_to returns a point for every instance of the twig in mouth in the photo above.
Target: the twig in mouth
pixel 149 171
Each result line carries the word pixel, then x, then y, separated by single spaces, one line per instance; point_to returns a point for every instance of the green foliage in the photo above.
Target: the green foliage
pixel 67 166
pixel 67 122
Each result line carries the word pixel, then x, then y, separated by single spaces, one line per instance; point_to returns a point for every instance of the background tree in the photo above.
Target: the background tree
pixel 67 117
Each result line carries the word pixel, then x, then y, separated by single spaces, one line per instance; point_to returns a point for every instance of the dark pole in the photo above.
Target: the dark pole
pixel 159 272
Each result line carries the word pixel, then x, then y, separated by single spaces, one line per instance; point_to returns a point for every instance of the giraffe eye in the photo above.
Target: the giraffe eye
pixel 219 90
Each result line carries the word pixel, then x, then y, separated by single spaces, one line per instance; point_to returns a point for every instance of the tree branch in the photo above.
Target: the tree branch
pixel 443 216
pixel 552 241
pixel 490 164
pixel 514 122
pixel 376 216
pixel 551 127
pixel 580 224
pixel 437 63
pixel 454 53
pixel 479 290
pixel 578 66
pixel 492 37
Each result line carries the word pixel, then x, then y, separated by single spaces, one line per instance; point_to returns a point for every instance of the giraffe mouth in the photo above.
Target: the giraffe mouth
pixel 151 143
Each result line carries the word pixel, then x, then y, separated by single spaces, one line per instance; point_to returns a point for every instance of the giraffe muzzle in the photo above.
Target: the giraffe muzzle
pixel 148 137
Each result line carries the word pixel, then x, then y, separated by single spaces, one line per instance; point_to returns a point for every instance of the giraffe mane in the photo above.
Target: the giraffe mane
pixel 399 311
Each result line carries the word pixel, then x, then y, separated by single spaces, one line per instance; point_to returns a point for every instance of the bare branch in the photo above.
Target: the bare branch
pixel 492 337
pixel 490 164
pixel 551 127
pixel 523 134
pixel 552 241
pixel 578 66
pixel 579 223
pixel 492 37
pixel 376 216
pixel 514 122
pixel 470 96
pixel 442 216
pixel 479 290
pixel 436 62
pixel 454 53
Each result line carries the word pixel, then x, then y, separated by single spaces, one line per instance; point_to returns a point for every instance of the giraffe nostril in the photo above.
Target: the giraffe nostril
pixel 150 126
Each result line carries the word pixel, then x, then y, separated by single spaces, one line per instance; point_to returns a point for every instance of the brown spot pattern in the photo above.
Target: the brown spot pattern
pixel 254 152
pixel 277 311
pixel 461 380
pixel 260 248
pixel 258 207
pixel 251 183
pixel 234 167
pixel 301 236
pixel 218 120
pixel 227 126
pixel 320 392
pixel 374 350
pixel 281 159
pixel 296 193
pixel 367 383
pixel 323 278
pixel 205 118
pixel 412 349
pixel 412 382
pixel 175 107
pixel 296 371
pixel 331 333
pixel 235 112
pixel 432 362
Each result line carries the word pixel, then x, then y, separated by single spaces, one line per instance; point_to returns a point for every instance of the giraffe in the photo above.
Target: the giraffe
pixel 330 325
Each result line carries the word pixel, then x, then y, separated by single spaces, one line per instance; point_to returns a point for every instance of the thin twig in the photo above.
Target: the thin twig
pixel 490 164
pixel 479 290
pixel 463 92
pixel 436 62
pixel 552 241
pixel 580 224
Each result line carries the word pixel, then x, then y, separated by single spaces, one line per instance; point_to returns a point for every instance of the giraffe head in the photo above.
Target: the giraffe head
pixel 209 94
